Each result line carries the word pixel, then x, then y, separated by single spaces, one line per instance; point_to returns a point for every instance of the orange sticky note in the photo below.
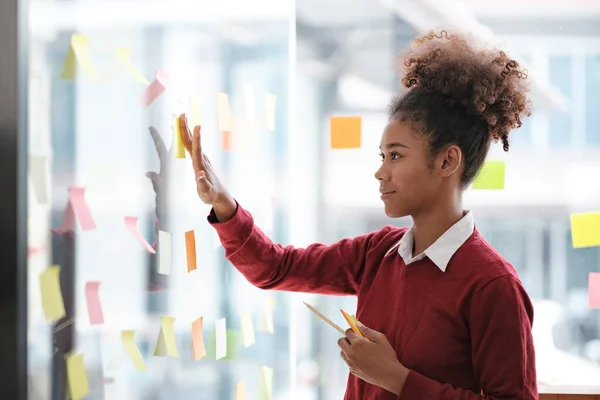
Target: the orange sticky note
pixel 77 207
pixel 345 132
pixel 240 391
pixel 351 320
pixel 594 290
pixel 131 225
pixel 190 250
pixel 227 140
pixel 156 88
pixel 93 303
pixel 198 339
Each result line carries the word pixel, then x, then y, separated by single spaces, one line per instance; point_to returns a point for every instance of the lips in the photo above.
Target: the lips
pixel 386 193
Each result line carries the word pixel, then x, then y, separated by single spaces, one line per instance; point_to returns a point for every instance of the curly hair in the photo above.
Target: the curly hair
pixel 461 93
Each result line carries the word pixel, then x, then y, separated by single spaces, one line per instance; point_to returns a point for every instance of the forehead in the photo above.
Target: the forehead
pixel 401 131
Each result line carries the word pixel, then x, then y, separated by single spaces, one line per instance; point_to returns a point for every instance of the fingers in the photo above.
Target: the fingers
pixel 197 150
pixel 184 130
pixel 155 179
pixel 202 183
pixel 160 146
pixel 344 344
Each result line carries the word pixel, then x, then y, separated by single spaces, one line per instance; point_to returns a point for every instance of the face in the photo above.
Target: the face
pixel 409 179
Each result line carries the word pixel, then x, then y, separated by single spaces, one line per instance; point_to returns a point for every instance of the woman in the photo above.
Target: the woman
pixel 444 314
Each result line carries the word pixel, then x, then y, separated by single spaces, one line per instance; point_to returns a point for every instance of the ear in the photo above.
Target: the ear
pixel 449 160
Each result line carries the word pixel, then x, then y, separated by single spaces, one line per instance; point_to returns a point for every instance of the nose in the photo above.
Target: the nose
pixel 381 174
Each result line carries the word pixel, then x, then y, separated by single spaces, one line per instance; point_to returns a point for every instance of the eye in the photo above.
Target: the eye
pixel 381 156
pixel 395 155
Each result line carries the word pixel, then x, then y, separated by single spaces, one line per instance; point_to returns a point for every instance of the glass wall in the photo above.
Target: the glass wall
pixel 95 66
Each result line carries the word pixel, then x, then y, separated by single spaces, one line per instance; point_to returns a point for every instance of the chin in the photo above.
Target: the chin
pixel 395 212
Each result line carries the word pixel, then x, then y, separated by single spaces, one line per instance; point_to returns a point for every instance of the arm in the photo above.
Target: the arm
pixel 500 319
pixel 335 269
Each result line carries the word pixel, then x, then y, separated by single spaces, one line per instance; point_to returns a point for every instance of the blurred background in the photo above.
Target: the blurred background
pixel 320 59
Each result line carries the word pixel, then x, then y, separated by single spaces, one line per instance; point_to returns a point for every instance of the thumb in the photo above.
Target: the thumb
pixel 202 182
pixel 155 179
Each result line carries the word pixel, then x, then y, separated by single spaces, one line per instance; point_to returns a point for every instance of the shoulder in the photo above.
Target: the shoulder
pixel 384 239
pixel 478 260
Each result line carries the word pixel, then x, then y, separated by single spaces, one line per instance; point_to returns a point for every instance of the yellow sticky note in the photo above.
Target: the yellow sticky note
pixel 177 142
pixel 124 58
pixel 52 299
pixel 79 51
pixel 585 229
pixel 240 391
pixel 270 101
pixel 265 323
pixel 224 116
pixel 266 384
pixel 195 117
pixel 491 176
pixel 248 330
pixel 221 338
pixel 345 132
pixel 127 337
pixel 165 346
pixel 77 376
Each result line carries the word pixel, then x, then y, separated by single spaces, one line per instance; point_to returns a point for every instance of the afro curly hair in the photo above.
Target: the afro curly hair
pixel 459 92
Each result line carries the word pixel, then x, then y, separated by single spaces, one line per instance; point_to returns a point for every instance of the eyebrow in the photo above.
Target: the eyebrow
pixel 394 144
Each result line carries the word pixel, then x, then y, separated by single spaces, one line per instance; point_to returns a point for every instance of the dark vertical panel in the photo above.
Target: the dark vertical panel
pixel 13 198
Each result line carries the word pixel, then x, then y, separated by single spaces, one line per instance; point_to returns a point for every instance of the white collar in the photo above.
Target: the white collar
pixel 442 250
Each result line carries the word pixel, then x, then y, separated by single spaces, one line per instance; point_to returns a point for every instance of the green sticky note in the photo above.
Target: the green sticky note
pixel 491 176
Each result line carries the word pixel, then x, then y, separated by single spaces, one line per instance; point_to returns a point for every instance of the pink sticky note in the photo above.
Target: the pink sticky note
pixel 594 290
pixel 93 303
pixel 131 224
pixel 68 221
pixel 81 209
pixel 155 89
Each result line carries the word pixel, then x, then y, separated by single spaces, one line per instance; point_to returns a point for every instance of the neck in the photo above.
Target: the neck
pixel 432 224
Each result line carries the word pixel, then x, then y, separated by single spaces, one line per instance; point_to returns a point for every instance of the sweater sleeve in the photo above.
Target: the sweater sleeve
pixel 335 269
pixel 500 319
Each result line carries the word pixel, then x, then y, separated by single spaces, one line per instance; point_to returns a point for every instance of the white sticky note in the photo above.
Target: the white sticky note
pixel 248 330
pixel 270 102
pixel 37 171
pixel 224 116
pixel 266 323
pixel 266 384
pixel 221 338
pixel 164 252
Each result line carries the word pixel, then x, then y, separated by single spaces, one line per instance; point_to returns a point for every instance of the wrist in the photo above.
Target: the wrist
pixel 397 379
pixel 225 209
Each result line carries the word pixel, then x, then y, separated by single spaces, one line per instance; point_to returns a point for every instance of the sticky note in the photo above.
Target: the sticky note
pixel 164 252
pixel 224 116
pixel 52 299
pixel 177 142
pixel 241 391
pixel 127 337
pixel 165 345
pixel 37 171
pixel 131 225
pixel 93 303
pixel 195 112
pixel 265 323
pixel 227 140
pixel 124 58
pixel 190 250
pixel 247 330
pixel 78 52
pixel 198 339
pixel 221 338
pixel 594 290
pixel 249 103
pixel 491 176
pixel 77 207
pixel 585 229
pixel 345 132
pixel 156 88
pixel 266 384
pixel 77 376
pixel 270 101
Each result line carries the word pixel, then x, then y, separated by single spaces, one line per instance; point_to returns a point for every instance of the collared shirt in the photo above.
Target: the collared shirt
pixel 442 250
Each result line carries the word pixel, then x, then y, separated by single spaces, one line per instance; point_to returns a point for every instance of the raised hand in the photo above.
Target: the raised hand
pixel 208 185
pixel 160 179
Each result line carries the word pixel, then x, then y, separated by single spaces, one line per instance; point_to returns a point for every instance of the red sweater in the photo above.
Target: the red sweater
pixel 464 333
